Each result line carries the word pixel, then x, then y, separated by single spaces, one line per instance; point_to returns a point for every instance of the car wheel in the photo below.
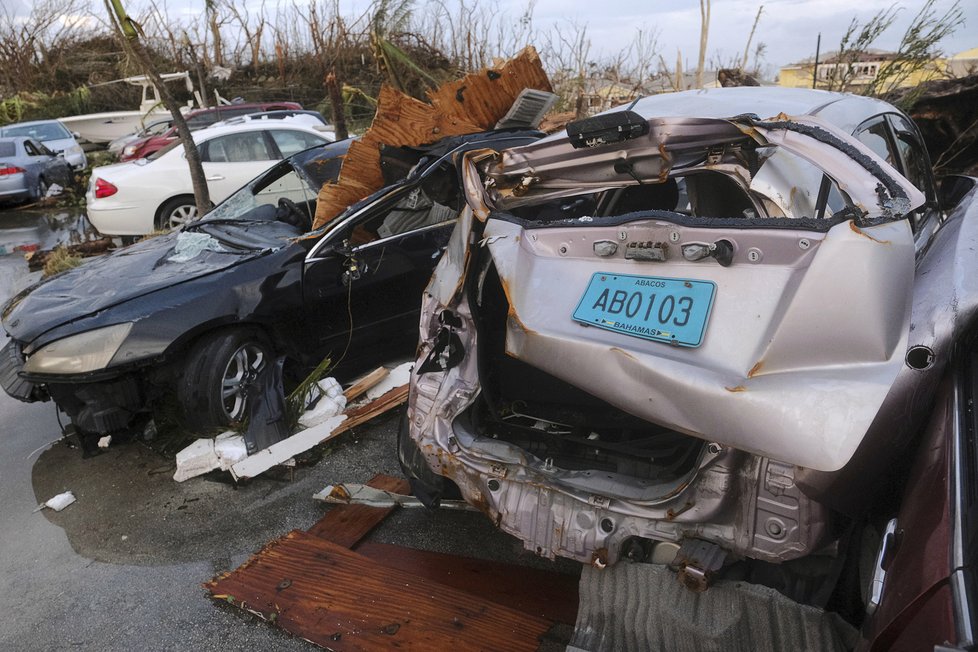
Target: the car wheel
pixel 217 372
pixel 176 212
pixel 41 189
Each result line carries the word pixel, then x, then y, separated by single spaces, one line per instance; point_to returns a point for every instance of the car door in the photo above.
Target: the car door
pixel 362 283
pixel 923 591
pixel 232 160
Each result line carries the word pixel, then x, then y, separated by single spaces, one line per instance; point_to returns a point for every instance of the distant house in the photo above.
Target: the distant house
pixel 865 68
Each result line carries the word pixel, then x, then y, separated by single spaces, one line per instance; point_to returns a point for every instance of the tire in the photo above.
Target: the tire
pixel 175 212
pixel 217 371
pixel 41 189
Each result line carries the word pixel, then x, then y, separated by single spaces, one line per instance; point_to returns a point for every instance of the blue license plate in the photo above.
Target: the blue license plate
pixel 653 308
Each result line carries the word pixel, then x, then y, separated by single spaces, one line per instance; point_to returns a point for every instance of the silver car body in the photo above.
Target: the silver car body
pixel 806 334
pixel 54 135
pixel 27 169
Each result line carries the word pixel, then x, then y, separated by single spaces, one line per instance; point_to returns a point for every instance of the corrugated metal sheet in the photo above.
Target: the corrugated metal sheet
pixel 643 607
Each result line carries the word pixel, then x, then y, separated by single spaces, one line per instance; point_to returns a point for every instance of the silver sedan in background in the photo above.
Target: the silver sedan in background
pixel 53 135
pixel 28 169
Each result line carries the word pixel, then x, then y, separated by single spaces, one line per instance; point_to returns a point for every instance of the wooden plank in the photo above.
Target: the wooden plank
pixel 346 525
pixel 363 384
pixel 537 592
pixel 367 411
pixel 341 600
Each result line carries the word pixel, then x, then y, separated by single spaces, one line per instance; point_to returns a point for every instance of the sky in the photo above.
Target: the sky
pixel 788 28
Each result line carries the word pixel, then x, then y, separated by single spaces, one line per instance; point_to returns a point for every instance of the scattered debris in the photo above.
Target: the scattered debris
pixel 328 402
pixel 205 455
pixel 196 459
pixel 57 503
pixel 397 377
pixel 104 442
pixel 361 494
pixel 287 448
pixel 37 260
pixel 472 104
pixel 365 383
pixel 328 416
pixel 230 448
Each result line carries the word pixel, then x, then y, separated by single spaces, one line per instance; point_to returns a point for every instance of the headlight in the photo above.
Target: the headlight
pixel 128 150
pixel 89 351
pixel 75 149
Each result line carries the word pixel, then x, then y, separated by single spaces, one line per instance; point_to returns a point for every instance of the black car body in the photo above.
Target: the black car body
pixel 198 312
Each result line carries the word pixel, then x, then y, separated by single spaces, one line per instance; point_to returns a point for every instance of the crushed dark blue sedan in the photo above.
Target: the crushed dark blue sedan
pixel 201 311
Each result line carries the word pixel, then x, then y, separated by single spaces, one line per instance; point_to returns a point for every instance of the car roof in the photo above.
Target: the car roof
pixel 32 122
pixel 214 131
pixel 840 109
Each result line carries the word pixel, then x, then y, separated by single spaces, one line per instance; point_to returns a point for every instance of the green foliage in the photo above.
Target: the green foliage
pixel 295 403
pixel 918 47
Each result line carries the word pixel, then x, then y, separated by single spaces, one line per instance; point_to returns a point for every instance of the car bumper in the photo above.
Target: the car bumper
pixel 119 219
pixel 14 186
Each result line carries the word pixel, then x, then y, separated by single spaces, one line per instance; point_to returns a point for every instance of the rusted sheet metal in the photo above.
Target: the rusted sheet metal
pixel 533 591
pixel 466 106
pixel 346 525
pixel 342 600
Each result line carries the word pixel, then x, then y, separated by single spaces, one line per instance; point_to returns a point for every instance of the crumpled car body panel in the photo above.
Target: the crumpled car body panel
pixel 804 338
pixel 790 366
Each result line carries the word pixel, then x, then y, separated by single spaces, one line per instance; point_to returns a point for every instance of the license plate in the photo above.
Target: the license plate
pixel 653 308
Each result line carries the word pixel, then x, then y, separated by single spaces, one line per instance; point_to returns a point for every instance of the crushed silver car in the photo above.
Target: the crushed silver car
pixel 664 333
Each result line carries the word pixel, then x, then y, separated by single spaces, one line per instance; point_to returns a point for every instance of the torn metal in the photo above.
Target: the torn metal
pixel 648 341
pixel 361 494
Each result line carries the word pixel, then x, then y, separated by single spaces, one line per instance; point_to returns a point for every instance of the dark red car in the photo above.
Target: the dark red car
pixel 198 120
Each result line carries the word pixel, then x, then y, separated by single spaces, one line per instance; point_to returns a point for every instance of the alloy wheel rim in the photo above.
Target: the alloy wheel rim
pixel 240 373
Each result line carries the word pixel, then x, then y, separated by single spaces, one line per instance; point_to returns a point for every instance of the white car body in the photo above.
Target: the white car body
pixel 157 192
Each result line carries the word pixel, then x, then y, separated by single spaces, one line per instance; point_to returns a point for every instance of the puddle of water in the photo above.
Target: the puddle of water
pixel 27 230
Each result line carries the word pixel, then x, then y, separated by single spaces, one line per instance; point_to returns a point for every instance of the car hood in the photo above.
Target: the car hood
pixel 108 281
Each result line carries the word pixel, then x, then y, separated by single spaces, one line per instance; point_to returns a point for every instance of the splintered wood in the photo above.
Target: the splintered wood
pixel 472 104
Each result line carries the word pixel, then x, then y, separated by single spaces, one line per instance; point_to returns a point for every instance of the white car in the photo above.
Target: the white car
pixel 139 197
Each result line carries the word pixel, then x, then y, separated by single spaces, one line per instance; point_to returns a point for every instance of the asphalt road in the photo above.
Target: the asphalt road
pixel 121 569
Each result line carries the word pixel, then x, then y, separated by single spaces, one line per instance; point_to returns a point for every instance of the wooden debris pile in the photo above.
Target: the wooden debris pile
pixel 472 104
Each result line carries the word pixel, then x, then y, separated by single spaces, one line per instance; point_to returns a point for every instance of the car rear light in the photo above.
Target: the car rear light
pixel 104 189
pixel 9 169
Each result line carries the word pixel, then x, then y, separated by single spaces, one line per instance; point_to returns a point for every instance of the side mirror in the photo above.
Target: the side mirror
pixel 952 190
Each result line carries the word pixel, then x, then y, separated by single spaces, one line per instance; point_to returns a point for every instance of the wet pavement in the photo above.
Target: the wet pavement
pixel 121 568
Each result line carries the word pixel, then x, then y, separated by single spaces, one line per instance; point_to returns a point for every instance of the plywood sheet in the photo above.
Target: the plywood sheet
pixel 346 525
pixel 341 600
pixel 537 592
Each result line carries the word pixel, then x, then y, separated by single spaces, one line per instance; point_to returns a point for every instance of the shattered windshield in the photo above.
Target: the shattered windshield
pixel 278 205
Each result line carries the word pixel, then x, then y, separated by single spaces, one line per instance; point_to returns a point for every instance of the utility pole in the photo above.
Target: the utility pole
pixel 818 46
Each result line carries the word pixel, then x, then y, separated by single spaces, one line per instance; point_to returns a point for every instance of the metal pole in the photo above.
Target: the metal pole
pixel 818 46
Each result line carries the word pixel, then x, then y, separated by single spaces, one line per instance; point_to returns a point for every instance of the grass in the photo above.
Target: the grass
pixel 60 260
